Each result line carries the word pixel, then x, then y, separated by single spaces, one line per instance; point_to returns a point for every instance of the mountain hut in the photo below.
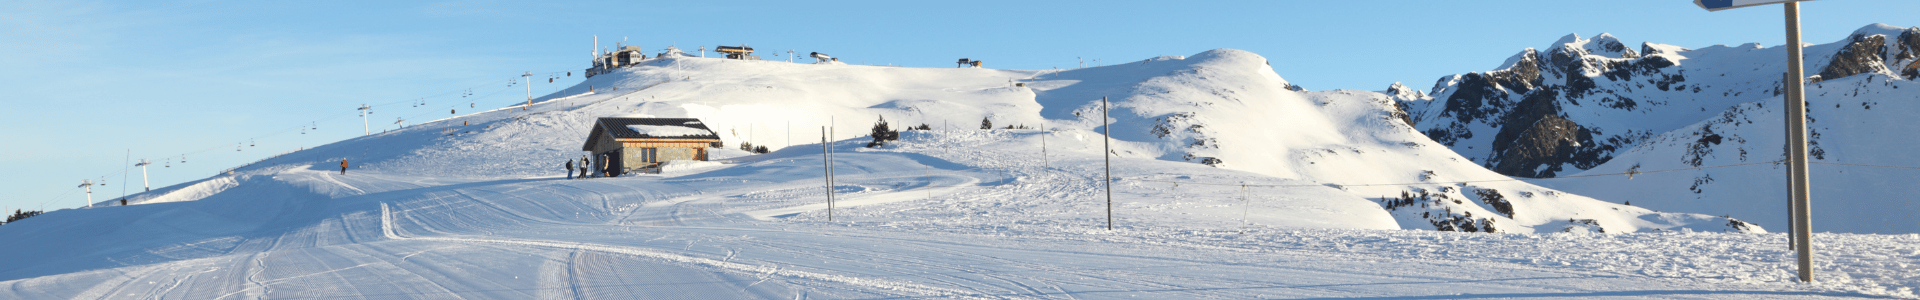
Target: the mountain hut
pixel 640 144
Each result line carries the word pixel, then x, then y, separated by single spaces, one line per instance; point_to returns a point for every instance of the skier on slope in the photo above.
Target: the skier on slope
pixel 569 169
pixel 343 166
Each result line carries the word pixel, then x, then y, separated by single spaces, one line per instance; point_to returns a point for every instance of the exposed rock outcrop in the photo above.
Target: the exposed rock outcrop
pixel 1862 55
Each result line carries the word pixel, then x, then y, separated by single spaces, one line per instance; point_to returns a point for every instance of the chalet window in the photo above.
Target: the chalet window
pixel 650 154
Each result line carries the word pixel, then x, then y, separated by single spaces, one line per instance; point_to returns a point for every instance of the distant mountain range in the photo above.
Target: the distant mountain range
pixel 1597 106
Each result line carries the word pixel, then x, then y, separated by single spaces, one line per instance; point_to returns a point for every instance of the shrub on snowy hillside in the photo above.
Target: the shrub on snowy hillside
pixel 20 214
pixel 749 147
pixel 882 133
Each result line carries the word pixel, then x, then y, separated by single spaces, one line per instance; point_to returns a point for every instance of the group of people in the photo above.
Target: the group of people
pixel 583 165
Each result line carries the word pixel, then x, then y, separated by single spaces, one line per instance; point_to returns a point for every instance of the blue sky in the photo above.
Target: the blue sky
pixel 89 83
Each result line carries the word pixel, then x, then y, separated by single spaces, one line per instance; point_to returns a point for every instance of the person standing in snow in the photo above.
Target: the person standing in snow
pixel 606 169
pixel 569 169
pixel 343 166
pixel 583 165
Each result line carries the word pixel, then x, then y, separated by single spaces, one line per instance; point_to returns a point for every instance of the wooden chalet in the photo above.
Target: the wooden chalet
pixel 625 145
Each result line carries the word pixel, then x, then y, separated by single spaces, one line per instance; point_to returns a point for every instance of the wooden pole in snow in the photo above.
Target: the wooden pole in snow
pixel 1106 129
pixel 830 180
pixel 123 175
pixel 1044 165
pixel 826 159
pixel 927 173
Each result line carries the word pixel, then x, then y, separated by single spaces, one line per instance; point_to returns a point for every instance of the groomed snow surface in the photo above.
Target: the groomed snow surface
pixel 956 212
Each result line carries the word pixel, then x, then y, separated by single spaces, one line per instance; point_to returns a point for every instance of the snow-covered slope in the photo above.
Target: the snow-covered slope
pixel 1855 124
pixel 1224 108
pixel 1581 102
pixel 474 206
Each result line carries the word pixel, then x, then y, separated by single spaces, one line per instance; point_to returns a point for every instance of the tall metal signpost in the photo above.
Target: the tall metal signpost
pixel 1797 182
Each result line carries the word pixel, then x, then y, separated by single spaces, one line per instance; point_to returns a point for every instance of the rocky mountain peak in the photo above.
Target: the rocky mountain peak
pixel 1606 45
pixel 1402 92
pixel 1575 103
pixel 1651 49
pixel 1876 48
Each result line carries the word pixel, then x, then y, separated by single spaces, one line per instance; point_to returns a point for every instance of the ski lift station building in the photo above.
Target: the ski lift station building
pixel 635 144
pixel 741 52
pixel 624 57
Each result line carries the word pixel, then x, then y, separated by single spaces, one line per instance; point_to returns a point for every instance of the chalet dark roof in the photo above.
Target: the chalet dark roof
pixel 618 127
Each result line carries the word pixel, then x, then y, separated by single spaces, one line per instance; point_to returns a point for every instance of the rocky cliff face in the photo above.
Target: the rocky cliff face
pixel 1869 50
pixel 1575 104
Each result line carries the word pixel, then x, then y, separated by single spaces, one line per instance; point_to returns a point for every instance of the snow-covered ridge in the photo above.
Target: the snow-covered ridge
pixel 1578 107
pixel 1578 103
